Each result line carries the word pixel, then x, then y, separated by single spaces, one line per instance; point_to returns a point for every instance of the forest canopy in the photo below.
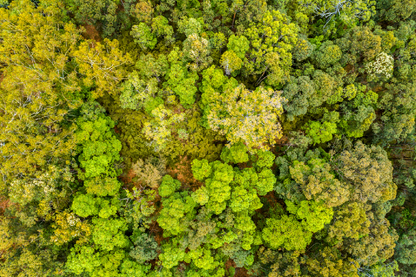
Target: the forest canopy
pixel 189 138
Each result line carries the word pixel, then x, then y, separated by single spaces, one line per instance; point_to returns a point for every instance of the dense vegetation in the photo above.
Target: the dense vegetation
pixel 207 138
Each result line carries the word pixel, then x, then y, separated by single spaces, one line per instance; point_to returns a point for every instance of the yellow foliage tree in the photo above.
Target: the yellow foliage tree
pixel 38 89
pixel 102 65
pixel 247 116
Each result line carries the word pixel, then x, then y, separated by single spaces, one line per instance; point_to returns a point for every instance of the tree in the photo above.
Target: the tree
pixel 331 263
pixel 397 120
pixel 168 186
pixel 102 65
pixel 273 29
pixel 197 52
pixel 143 36
pixel 141 89
pixel 39 94
pixel 396 10
pixel 321 133
pixel 350 221
pixel 369 172
pixel 360 45
pixel 177 211
pixel 314 215
pixel 85 259
pixel 310 176
pixel 162 29
pixel 143 11
pixel 201 169
pixel 150 171
pixel 158 129
pixel 218 187
pixel 265 158
pixel 382 65
pixel 298 93
pixel 286 232
pixel 359 114
pixel 231 63
pixel 239 45
pixel 182 83
pixel 108 234
pixel 90 12
pixel 247 116
pixel 378 246
pixel 327 54
pixel 102 186
pixel 99 146
pixel 243 199
pixel 236 153
pixel 405 249
pixel 171 255
pixel 85 205
pixel 266 181
pixel 145 248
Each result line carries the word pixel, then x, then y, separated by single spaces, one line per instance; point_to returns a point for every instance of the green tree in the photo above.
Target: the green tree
pixel 201 169
pixel 143 36
pixel 98 144
pixel 273 29
pixel 181 82
pixel 236 153
pixel 145 248
pixel 177 211
pixel 168 186
pixel 286 232
pixel 314 215
pixel 321 132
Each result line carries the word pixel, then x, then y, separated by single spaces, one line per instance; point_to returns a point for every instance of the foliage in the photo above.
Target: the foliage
pixel 236 153
pixel 181 81
pixel 314 215
pixel 201 169
pixel 405 248
pixel 102 65
pixel 145 248
pixel 37 137
pixel 150 173
pixel 33 112
pixel 207 138
pixel 100 146
pixel 102 13
pixel 265 158
pixel 272 39
pixel 248 116
pixel 321 133
pixel 168 186
pixel 143 36
pixel 330 263
pixel 176 213
pixel 286 232
pixel 158 129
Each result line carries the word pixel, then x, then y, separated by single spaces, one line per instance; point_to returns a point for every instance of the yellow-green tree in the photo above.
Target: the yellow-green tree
pixel 102 65
pixel 251 117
